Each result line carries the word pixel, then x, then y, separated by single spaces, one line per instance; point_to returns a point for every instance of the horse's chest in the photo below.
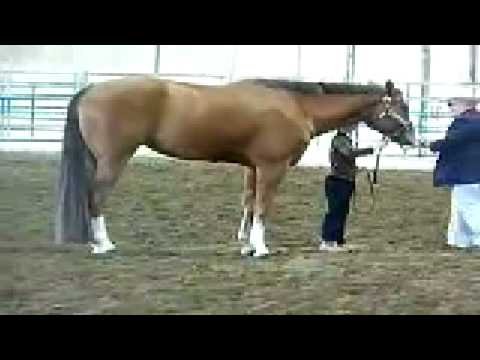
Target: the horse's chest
pixel 298 152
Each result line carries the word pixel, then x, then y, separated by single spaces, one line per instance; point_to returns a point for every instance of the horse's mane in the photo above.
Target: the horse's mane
pixel 315 88
pixel 346 88
pixel 300 87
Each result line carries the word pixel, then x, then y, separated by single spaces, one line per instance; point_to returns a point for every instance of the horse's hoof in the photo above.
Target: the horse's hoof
pixel 248 254
pixel 247 251
pixel 100 250
pixel 261 254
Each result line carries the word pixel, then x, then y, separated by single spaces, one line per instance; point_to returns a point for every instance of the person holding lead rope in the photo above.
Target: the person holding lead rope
pixel 458 167
pixel 339 188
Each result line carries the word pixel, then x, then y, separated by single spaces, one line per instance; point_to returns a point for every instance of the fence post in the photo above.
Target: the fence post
pixel 84 79
pixel 156 64
pixel 8 78
pixel 350 78
pixel 299 62
pixel 233 63
pixel 75 82
pixel 2 106
pixel 473 67
pixel 425 91
pixel 32 113
pixel 2 112
pixel 408 86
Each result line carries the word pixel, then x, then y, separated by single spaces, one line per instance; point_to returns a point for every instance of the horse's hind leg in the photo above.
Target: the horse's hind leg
pixel 107 173
pixel 248 202
pixel 268 178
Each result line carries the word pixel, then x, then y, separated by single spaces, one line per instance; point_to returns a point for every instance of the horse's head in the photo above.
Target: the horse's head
pixel 390 117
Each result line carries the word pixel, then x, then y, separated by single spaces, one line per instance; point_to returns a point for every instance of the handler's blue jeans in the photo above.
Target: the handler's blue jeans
pixel 338 194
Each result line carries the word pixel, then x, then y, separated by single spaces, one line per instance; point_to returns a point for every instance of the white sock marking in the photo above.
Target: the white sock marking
pixel 245 227
pixel 257 237
pixel 100 234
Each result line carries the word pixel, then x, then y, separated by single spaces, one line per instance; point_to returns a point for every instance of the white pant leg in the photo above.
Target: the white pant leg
pixel 456 227
pixel 468 203
pixel 452 225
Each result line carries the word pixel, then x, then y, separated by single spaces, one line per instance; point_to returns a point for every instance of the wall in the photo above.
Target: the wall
pixel 72 58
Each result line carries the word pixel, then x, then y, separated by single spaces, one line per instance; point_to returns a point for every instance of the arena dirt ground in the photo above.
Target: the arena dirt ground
pixel 175 222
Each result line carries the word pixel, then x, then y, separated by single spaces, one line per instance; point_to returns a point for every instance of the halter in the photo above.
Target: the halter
pixel 387 101
pixel 372 176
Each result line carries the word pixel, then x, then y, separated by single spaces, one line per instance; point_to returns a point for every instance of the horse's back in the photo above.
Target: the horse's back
pixel 120 113
pixel 148 95
pixel 186 120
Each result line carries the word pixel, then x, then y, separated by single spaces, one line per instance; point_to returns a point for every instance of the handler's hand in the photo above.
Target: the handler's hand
pixel 423 143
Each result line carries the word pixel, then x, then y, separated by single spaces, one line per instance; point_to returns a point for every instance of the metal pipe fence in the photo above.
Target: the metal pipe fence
pixel 35 110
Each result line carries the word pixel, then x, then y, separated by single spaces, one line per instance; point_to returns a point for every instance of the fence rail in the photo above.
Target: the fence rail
pixel 34 107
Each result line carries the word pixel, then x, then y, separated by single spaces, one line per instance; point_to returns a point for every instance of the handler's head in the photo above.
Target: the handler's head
pixel 460 105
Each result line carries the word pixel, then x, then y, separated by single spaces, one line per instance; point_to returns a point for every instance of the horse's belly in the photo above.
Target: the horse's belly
pixel 191 145
pixel 210 152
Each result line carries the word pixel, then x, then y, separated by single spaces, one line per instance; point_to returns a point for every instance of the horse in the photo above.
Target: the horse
pixel 264 125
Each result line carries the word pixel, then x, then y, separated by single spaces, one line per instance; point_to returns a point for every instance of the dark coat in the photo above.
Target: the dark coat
pixel 459 158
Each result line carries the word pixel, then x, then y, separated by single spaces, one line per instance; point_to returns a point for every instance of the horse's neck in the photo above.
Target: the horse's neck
pixel 329 112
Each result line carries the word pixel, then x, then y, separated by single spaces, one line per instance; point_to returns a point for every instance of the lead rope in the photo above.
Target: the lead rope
pixel 372 175
pixel 382 146
pixel 370 183
pixel 374 181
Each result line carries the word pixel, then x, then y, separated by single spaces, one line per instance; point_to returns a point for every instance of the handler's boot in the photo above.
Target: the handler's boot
pixel 331 246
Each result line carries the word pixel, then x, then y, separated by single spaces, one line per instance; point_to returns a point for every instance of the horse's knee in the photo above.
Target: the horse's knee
pixel 248 199
pixel 106 176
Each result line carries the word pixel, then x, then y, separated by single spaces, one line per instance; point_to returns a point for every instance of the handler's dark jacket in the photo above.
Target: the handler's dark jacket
pixel 343 155
pixel 459 158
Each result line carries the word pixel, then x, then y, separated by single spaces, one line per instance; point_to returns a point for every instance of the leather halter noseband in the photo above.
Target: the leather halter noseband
pixel 387 101
pixel 389 112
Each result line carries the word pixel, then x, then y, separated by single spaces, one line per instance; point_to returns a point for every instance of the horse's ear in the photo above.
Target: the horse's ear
pixel 389 86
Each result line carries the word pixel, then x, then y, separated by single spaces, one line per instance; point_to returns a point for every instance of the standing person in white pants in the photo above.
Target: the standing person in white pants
pixel 464 226
pixel 458 166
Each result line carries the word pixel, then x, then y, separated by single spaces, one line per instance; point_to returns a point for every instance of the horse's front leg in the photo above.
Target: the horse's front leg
pixel 248 202
pixel 268 177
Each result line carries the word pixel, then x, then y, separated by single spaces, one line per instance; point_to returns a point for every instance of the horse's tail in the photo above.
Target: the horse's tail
pixel 77 171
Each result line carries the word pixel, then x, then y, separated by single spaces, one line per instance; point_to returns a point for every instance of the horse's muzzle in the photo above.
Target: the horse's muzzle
pixel 406 138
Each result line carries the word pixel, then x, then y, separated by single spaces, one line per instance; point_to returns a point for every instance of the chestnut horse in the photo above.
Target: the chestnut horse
pixel 264 125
